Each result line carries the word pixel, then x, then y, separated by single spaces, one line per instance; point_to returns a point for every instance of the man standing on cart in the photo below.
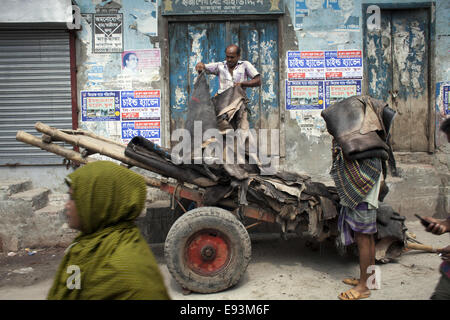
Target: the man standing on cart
pixel 233 72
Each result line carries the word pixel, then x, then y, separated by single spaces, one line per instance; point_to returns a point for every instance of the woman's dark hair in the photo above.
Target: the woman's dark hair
pixel 126 57
pixel 445 126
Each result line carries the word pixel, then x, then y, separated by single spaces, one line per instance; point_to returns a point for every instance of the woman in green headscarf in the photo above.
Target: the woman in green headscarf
pixel 109 259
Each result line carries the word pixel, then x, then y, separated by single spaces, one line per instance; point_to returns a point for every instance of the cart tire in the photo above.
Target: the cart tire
pixel 207 250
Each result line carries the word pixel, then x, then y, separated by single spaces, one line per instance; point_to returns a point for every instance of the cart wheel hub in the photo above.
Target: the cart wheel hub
pixel 207 252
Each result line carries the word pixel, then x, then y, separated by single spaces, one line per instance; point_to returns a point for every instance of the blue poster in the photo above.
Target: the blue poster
pixel 140 105
pixel 445 91
pixel 343 64
pixel 150 130
pixel 100 105
pixel 304 95
pixel 301 11
pixel 337 90
pixel 306 65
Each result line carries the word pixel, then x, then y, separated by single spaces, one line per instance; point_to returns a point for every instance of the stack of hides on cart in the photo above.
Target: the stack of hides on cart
pixel 292 197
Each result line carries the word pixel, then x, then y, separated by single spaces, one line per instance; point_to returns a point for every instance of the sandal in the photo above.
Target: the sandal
pixel 354 282
pixel 352 294
pixel 351 281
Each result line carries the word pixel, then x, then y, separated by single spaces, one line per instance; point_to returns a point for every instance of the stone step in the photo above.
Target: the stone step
pixel 51 210
pixel 10 187
pixel 58 199
pixel 414 157
pixel 421 189
pixel 52 226
pixel 38 197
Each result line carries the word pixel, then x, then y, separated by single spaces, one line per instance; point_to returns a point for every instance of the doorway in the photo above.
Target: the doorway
pixel 192 42
pixel 397 71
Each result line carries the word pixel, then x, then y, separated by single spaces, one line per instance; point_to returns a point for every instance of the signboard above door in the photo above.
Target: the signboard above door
pixel 191 7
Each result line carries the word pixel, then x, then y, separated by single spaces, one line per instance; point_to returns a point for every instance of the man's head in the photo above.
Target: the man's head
pixel 233 54
pixel 130 60
pixel 445 127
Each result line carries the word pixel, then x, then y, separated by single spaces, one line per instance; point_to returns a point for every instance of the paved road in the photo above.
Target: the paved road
pixel 289 270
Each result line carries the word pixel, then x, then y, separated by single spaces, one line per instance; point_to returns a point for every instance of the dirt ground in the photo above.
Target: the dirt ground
pixel 279 270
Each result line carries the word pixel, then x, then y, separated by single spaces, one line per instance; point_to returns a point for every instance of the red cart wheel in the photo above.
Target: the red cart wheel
pixel 207 250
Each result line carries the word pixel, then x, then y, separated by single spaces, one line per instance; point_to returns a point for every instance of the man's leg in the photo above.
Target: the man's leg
pixel 442 291
pixel 366 249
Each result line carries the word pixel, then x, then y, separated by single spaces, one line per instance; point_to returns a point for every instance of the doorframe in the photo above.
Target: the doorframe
pixel 431 8
pixel 163 30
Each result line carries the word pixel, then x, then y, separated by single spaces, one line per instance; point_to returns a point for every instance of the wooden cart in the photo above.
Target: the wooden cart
pixel 208 248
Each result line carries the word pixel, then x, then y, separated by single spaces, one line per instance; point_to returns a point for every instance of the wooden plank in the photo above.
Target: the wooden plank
pixel 410 81
pixel 179 63
pixel 249 43
pixel 269 73
pixel 379 60
pixel 216 50
pixel 197 50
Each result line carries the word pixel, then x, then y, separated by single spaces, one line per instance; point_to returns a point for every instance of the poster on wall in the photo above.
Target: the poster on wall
pixel 140 105
pixel 139 62
pixel 150 130
pixel 301 11
pixel 337 90
pixel 342 69
pixel 343 64
pixel 95 75
pixel 306 65
pixel 100 105
pixel 344 13
pixel 108 33
pixel 445 90
pixel 304 95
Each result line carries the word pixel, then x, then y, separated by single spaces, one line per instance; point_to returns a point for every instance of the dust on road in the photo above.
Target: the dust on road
pixel 279 269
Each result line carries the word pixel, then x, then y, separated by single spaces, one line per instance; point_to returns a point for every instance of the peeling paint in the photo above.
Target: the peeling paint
pixel 196 49
pixel 180 98
pixel 409 53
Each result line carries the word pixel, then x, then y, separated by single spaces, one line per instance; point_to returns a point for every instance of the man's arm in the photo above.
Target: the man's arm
pixel 250 72
pixel 255 82
pixel 209 68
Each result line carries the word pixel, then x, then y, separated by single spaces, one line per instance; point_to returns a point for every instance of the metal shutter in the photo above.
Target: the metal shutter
pixel 34 86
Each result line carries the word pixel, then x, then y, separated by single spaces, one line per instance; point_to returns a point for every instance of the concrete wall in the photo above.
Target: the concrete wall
pixel 329 25
pixel 34 11
pixel 104 71
pixel 51 177
pixel 322 30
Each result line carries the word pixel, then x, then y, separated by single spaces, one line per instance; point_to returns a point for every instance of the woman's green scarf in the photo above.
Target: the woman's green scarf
pixel 109 259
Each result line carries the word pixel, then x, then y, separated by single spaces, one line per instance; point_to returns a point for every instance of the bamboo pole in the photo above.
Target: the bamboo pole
pixel 92 135
pixel 69 154
pixel 105 148
pixel 51 147
pixel 117 152
pixel 422 247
